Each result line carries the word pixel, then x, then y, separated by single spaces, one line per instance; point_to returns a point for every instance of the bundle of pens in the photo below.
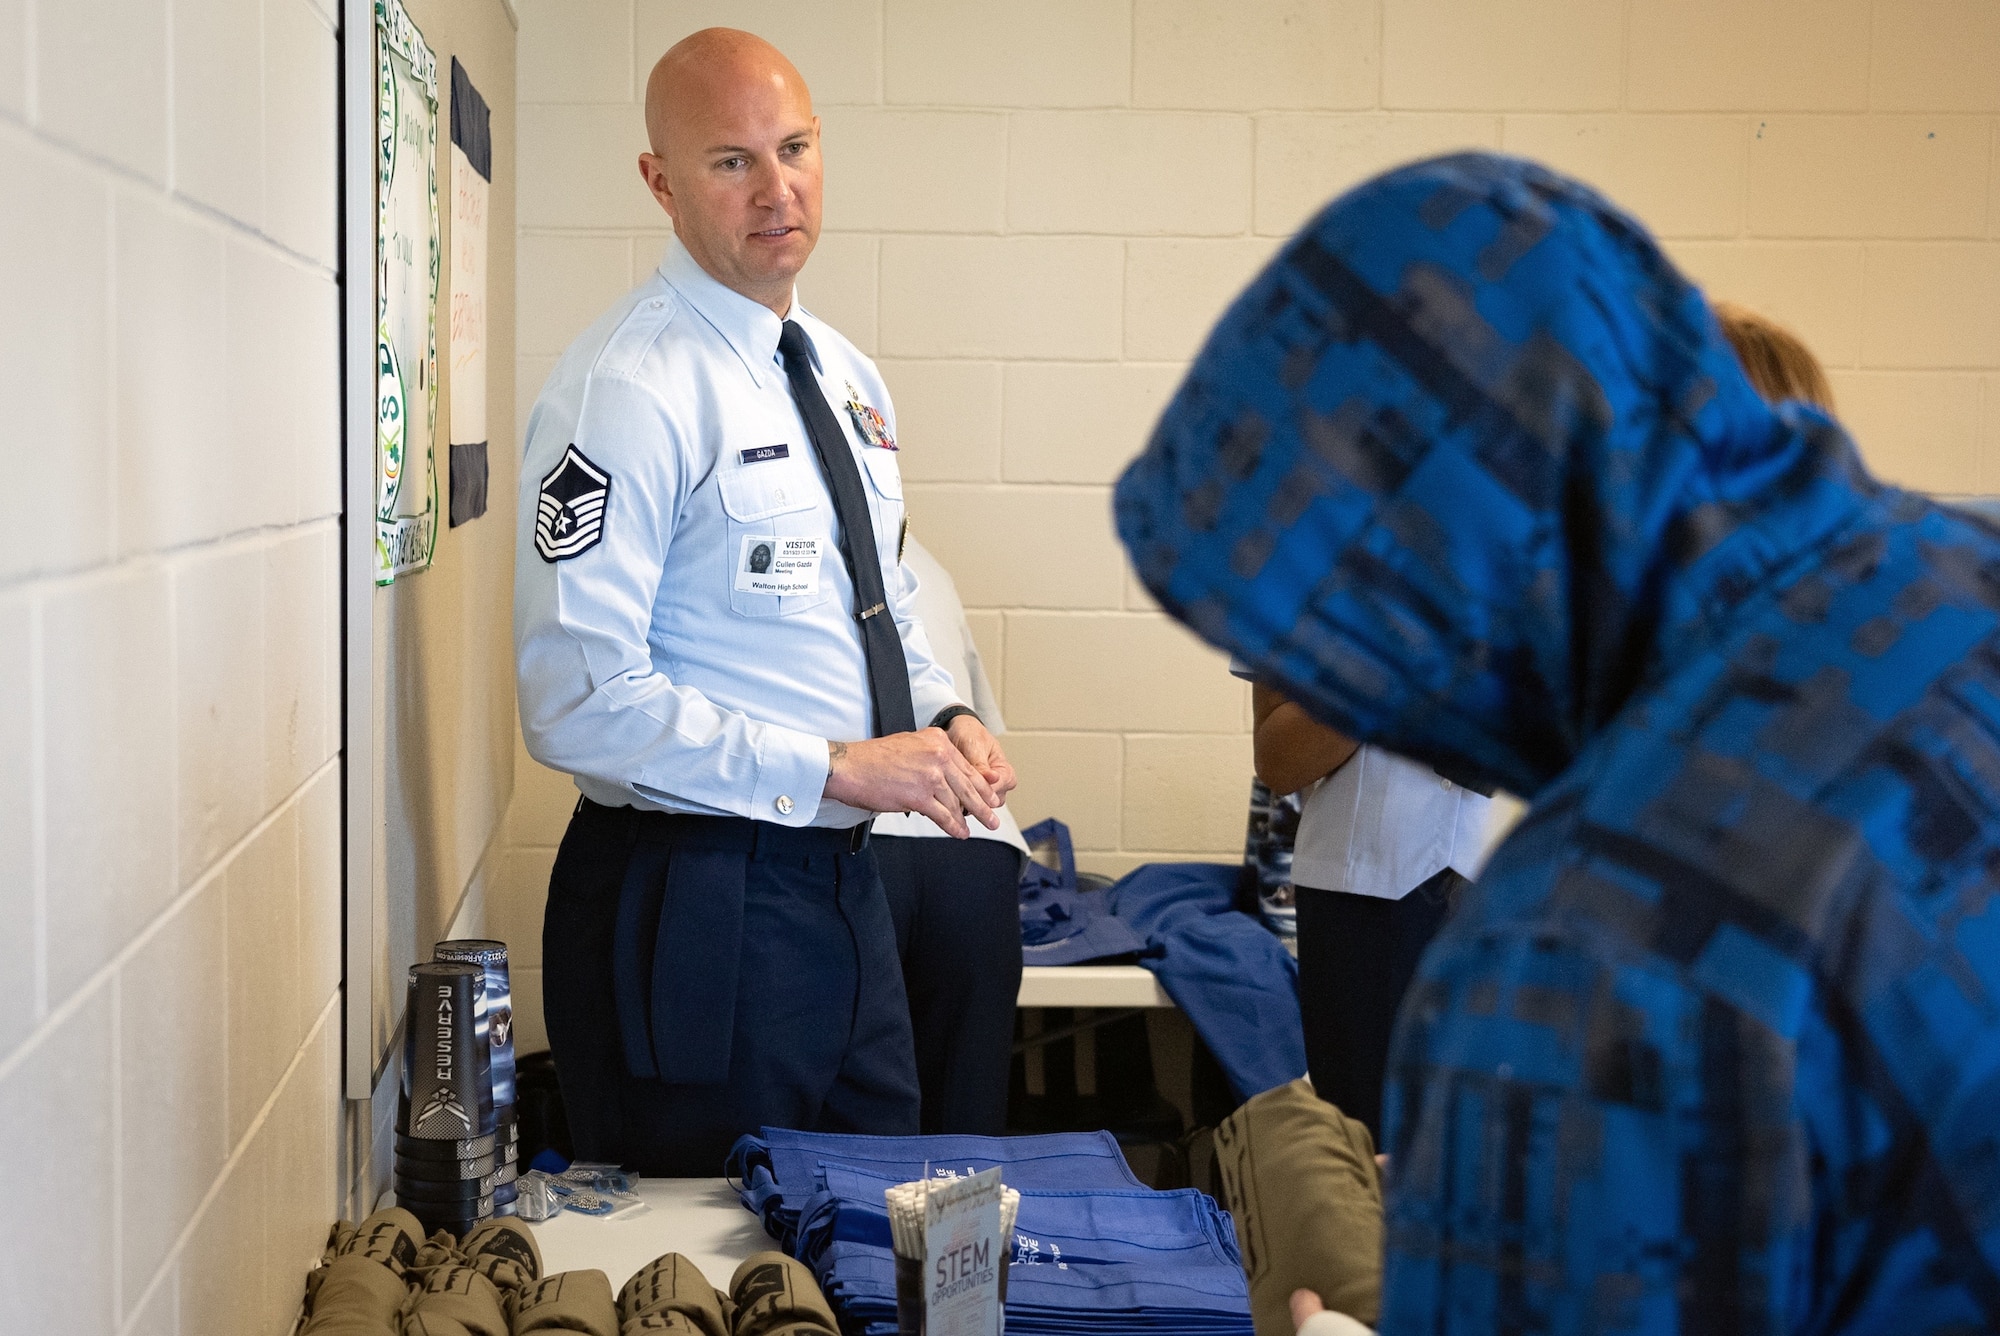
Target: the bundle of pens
pixel 909 1230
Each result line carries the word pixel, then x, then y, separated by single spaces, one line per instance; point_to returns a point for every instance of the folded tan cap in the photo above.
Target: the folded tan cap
pixel 354 1296
pixel 567 1301
pixel 390 1237
pixel 433 1324
pixel 504 1252
pixel 1304 1191
pixel 669 1293
pixel 460 1294
pixel 776 1295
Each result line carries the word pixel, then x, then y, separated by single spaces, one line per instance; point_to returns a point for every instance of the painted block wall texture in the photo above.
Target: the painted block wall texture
pixel 1035 211
pixel 169 674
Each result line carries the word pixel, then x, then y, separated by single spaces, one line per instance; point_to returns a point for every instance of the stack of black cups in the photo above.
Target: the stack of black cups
pixel 498 1030
pixel 445 1144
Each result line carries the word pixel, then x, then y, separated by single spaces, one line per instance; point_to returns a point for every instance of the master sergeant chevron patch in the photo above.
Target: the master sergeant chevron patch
pixel 569 511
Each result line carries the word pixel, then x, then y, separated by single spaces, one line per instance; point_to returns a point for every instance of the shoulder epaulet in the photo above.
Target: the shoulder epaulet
pixel 637 333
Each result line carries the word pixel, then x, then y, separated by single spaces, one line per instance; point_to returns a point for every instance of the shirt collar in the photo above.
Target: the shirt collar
pixel 750 328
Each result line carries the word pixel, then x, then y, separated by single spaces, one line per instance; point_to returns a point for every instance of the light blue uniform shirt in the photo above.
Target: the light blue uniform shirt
pixel 650 665
pixel 1383 825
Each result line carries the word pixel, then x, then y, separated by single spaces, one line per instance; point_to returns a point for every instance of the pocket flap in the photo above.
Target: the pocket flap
pixel 884 473
pixel 759 491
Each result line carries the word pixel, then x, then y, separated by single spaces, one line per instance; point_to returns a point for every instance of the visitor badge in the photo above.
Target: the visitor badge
pixel 773 565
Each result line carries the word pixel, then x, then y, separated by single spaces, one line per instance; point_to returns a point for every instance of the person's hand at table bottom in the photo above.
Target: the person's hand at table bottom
pixel 1314 1318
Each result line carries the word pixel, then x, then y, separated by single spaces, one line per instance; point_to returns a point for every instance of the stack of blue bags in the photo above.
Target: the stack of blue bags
pixel 1094 1250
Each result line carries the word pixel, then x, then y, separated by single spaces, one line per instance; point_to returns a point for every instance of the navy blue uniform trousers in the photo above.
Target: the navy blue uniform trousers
pixel 957 909
pixel 706 976
pixel 1357 956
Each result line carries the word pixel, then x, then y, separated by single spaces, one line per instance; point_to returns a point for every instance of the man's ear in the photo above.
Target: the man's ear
pixel 652 168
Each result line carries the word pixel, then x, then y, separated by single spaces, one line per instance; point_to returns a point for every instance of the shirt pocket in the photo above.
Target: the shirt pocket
pixel 772 501
pixel 885 500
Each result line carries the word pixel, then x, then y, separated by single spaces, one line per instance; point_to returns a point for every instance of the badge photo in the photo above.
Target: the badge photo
pixel 569 509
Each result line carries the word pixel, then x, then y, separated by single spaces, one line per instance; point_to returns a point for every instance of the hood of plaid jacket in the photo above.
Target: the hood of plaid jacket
pixel 1469 465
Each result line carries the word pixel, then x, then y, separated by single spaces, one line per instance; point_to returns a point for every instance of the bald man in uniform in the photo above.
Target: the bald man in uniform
pixel 715 635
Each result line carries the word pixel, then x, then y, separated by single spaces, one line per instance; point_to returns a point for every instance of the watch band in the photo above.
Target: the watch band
pixel 942 719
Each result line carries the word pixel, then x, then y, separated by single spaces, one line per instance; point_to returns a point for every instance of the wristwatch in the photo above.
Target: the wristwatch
pixel 942 719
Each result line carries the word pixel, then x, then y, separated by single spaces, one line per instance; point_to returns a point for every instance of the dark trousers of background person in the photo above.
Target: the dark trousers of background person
pixel 956 906
pixel 1357 955
pixel 759 959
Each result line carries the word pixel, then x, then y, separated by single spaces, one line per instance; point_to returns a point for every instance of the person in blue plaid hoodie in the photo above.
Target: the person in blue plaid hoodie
pixel 1713 1044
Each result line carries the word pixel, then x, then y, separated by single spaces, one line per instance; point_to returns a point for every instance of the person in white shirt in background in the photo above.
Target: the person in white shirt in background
pixel 1384 845
pixel 956 905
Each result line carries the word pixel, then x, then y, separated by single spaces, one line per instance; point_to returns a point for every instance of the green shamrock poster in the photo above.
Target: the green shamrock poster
pixel 406 286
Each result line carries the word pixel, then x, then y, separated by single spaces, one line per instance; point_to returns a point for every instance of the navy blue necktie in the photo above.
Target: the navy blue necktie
pixel 888 670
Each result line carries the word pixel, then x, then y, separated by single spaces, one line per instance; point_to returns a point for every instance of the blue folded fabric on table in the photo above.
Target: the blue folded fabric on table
pixel 860 1282
pixel 1109 1260
pixel 1094 1251
pixel 1066 1226
pixel 1235 981
pixel 777 1170
pixel 1061 923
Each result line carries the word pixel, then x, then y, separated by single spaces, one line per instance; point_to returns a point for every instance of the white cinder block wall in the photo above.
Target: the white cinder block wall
pixel 1035 209
pixel 169 705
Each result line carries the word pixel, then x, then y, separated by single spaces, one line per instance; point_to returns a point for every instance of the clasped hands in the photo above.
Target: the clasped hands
pixel 945 774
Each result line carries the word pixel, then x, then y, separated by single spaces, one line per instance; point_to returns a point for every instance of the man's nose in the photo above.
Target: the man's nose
pixel 773 190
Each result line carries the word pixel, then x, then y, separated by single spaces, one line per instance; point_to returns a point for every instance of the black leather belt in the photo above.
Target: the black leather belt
pixel 738 834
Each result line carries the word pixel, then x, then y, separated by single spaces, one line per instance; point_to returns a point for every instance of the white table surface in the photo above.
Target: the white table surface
pixel 700 1218
pixel 1090 986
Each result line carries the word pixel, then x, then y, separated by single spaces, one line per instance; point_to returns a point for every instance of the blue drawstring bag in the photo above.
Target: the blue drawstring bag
pixel 1233 978
pixel 1061 923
